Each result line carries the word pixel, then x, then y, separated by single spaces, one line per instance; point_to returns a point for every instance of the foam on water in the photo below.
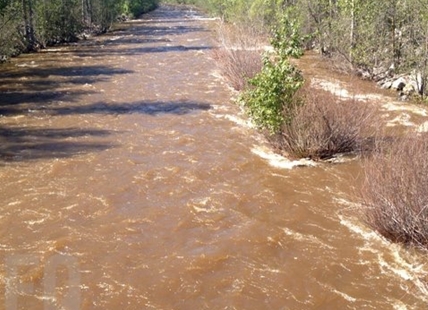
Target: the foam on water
pixel 306 238
pixel 337 89
pixel 405 107
pixel 398 264
pixel 278 161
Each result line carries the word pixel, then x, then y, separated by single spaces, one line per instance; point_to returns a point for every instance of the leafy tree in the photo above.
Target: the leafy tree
pixel 412 39
pixel 10 22
pixel 270 99
pixel 28 24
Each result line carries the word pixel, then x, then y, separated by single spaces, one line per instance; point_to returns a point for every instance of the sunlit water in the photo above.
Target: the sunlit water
pixel 129 180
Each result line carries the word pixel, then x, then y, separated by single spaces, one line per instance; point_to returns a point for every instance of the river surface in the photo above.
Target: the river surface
pixel 130 180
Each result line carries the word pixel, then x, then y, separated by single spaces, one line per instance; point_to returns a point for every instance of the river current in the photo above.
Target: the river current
pixel 130 180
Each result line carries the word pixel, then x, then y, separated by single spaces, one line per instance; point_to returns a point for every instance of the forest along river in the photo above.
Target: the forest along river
pixel 129 180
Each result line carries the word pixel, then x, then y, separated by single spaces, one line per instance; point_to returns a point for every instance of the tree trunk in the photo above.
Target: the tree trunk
pixel 352 31
pixel 393 35
pixel 86 13
pixel 28 14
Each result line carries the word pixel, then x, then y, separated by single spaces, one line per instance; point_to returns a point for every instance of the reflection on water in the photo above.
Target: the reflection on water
pixel 130 181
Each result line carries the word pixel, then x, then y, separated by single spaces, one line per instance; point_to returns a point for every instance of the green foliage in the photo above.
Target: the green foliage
pixel 270 99
pixel 137 8
pixel 9 29
pixel 29 24
pixel 262 13
pixel 57 21
pixel 272 93
pixel 286 40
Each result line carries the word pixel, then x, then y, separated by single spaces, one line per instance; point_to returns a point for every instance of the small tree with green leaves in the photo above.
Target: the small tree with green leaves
pixel 271 93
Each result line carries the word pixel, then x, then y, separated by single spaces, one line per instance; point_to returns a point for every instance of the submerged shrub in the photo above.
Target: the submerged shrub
pixel 239 56
pixel 394 195
pixel 321 126
pixel 238 65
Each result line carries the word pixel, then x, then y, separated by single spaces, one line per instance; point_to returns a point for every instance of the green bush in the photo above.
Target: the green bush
pixel 137 8
pixel 269 100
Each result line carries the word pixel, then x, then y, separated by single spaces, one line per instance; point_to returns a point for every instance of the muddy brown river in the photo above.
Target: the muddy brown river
pixel 130 180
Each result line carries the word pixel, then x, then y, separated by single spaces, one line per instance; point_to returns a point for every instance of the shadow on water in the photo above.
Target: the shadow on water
pixel 128 39
pixel 147 30
pixel 146 20
pixel 26 89
pixel 16 103
pixel 29 143
pixel 68 72
pixel 150 108
pixel 23 134
pixel 141 32
pixel 138 50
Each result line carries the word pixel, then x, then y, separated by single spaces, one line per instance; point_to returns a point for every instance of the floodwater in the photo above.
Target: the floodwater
pixel 130 180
